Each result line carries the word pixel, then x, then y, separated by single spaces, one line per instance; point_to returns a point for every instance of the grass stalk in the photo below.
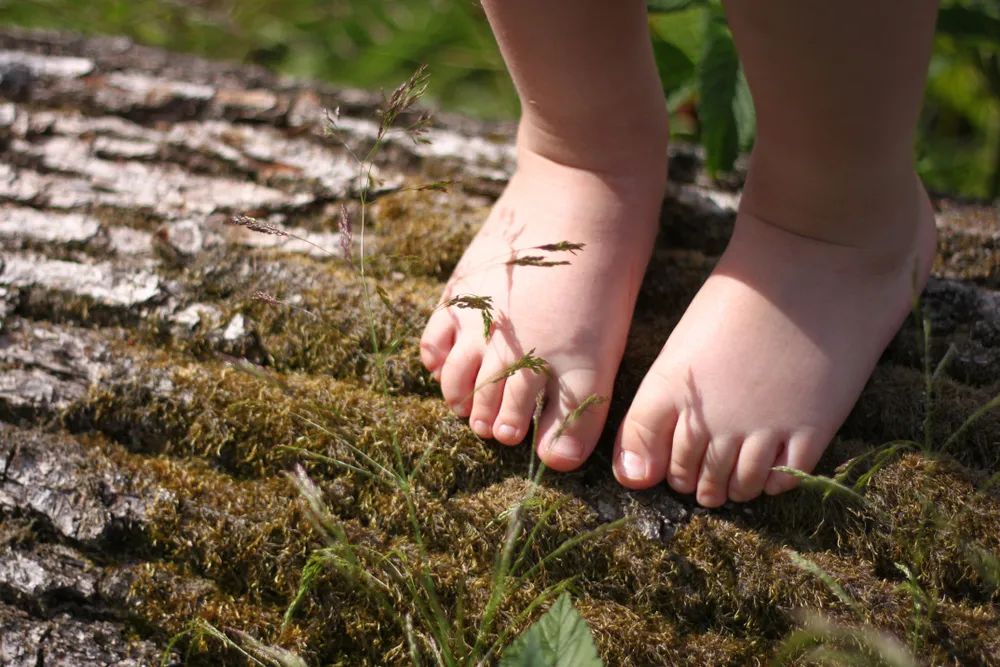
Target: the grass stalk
pixel 985 409
pixel 503 639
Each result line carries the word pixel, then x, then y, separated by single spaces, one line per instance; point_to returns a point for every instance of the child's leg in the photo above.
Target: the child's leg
pixel 591 169
pixel 775 348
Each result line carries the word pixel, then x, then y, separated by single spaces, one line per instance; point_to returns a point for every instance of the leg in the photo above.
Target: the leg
pixel 591 169
pixel 771 355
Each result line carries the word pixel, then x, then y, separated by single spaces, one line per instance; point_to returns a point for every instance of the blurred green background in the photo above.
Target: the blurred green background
pixel 377 43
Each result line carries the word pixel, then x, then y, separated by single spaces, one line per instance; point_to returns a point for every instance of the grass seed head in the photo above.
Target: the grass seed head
pixel 529 362
pixel 470 301
pixel 484 304
pixel 577 412
pixel 255 225
pixel 561 246
pixel 435 186
pixel 264 297
pixel 535 260
pixel 401 100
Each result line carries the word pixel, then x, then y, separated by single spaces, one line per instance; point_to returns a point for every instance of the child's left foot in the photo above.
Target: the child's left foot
pixel 773 352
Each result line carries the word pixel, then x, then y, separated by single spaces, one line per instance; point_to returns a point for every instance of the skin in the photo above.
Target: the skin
pixel 833 236
pixel 591 169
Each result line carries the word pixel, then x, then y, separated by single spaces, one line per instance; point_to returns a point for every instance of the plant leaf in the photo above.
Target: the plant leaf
pixel 969 23
pixel 560 638
pixel 718 80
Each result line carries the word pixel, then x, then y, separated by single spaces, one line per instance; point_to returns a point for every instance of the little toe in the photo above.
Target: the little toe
pixel 487 398
pixel 686 453
pixel 642 448
pixel 520 394
pixel 753 466
pixel 567 441
pixel 458 377
pixel 716 469
pixel 802 452
pixel 437 340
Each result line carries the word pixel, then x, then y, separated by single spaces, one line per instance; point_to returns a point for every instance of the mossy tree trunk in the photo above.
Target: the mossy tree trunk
pixel 140 480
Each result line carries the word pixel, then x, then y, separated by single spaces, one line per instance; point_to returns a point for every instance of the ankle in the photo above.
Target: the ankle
pixel 632 145
pixel 885 217
pixel 849 204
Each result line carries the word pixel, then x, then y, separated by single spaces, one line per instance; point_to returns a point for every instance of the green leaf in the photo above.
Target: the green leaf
pixel 676 68
pixel 744 113
pixel 725 110
pixel 560 638
pixel 968 23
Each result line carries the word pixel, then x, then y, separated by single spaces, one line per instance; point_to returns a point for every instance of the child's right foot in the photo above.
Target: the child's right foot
pixel 575 316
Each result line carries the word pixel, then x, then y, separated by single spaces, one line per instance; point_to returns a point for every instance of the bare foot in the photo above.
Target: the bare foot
pixel 773 352
pixel 575 316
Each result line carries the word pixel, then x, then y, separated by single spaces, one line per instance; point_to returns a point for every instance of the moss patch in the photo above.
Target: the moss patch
pixel 424 233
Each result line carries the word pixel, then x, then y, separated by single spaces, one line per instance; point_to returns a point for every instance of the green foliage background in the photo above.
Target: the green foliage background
pixel 373 43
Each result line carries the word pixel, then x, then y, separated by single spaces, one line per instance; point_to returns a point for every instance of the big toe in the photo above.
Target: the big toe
pixel 572 421
pixel 642 448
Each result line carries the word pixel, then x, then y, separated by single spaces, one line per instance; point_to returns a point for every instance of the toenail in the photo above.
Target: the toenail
pixel 507 431
pixel 480 426
pixel 566 448
pixel 633 465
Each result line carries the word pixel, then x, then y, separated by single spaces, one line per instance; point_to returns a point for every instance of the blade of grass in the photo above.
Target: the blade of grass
pixel 828 580
pixel 569 544
pixel 378 467
pixel 411 640
pixel 533 533
pixel 503 639
pixel 316 456
pixel 499 582
pixel 993 404
pixel 827 484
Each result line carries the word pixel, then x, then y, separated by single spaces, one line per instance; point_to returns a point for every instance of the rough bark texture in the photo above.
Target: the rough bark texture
pixel 129 432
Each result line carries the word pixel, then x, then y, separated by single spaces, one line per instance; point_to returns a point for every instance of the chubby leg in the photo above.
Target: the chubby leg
pixel 833 231
pixel 591 170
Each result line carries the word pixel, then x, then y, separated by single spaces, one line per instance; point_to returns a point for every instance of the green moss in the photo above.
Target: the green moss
pixel 730 578
pixel 927 514
pixel 322 324
pixel 892 408
pixel 627 636
pixel 229 541
pixel 424 233
pixel 239 421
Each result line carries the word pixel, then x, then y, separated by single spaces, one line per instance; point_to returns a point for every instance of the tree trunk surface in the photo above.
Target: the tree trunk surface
pixel 144 390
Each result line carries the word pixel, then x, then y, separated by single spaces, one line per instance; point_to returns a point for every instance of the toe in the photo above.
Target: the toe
pixel 489 393
pixel 458 377
pixel 437 340
pixel 687 450
pixel 753 466
pixel 517 406
pixel 642 448
pixel 716 468
pixel 802 452
pixel 568 436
